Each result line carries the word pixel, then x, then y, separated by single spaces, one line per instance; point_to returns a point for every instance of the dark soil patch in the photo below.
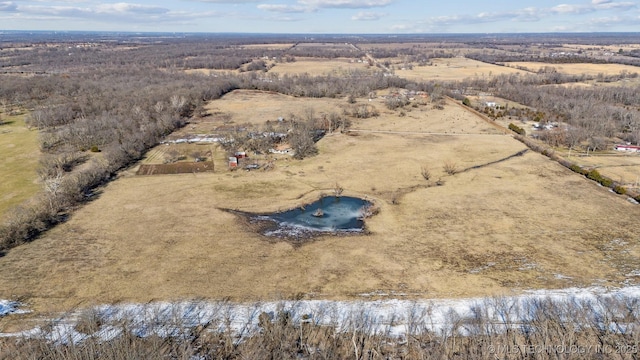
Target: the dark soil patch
pixel 175 168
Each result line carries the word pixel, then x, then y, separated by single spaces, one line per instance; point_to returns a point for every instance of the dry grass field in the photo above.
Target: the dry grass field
pixel 268 46
pixel 255 108
pixel 623 168
pixel 518 223
pixel 453 69
pixel 578 68
pixel 210 72
pixel 20 152
pixel 315 67
pixel 620 167
pixel 613 48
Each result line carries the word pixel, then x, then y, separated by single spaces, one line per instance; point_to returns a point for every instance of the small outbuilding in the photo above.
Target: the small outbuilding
pixel 233 162
pixel 627 148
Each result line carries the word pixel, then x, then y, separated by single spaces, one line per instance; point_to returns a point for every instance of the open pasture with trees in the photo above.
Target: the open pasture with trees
pixel 314 66
pixel 19 160
pixel 622 168
pixel 575 68
pixel 490 218
pixel 452 69
pixel 467 199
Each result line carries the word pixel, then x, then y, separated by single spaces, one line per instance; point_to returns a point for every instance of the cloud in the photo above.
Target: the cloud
pixel 615 6
pixel 309 6
pixel 129 9
pixel 528 14
pixel 596 5
pixel 121 12
pixel 227 1
pixel 100 11
pixel 367 16
pixel 345 4
pixel 571 9
pixel 611 21
pixel 281 8
pixel 8 6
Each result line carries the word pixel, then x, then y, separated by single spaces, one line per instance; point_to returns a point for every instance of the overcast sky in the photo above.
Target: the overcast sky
pixel 323 16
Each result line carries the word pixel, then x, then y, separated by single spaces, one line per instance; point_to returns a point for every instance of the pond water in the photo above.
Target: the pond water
pixel 328 214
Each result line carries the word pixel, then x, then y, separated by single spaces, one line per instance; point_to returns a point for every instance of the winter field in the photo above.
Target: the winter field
pixel 506 221
pixel 476 246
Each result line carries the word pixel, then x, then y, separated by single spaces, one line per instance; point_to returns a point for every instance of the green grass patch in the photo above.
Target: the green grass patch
pixel 18 162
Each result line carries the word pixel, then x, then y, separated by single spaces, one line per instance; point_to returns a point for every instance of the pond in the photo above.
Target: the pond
pixel 329 214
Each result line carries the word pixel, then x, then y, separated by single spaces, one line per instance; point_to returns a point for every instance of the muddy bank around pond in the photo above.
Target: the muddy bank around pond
pixel 329 215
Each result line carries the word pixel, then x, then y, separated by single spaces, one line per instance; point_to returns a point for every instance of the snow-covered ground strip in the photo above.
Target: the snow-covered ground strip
pixel 395 318
pixel 10 307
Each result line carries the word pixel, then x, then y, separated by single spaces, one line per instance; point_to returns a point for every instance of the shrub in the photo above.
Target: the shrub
pixel 450 168
pixel 466 102
pixel 620 189
pixel 576 168
pixel 606 182
pixel 517 129
pixel 94 149
pixel 426 174
pixel 594 175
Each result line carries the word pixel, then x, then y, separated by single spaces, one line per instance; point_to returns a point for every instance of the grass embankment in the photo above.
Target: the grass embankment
pixel 18 162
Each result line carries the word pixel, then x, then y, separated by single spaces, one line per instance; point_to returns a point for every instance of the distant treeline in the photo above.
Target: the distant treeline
pixel 500 58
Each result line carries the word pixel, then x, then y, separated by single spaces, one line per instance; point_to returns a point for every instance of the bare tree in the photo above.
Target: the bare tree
pixel 301 139
pixel 337 190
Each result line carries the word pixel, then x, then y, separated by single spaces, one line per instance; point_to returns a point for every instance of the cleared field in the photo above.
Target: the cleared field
pixel 518 222
pixel 608 48
pixel 20 154
pixel 268 46
pixel 453 69
pixel 397 46
pixel 320 67
pixel 623 168
pixel 620 167
pixel 257 107
pixel 175 168
pixel 210 71
pixel 578 68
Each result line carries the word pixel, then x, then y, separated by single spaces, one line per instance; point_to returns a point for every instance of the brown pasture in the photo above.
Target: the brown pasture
pixel 613 48
pixel 500 224
pixel 209 72
pixel 453 69
pixel 255 108
pixel 20 154
pixel 578 68
pixel 275 46
pixel 620 167
pixel 315 67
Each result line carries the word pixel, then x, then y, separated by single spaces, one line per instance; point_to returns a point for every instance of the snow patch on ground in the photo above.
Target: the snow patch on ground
pixel 10 307
pixel 392 317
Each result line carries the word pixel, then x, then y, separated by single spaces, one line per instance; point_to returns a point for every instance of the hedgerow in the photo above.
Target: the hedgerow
pixel 517 129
